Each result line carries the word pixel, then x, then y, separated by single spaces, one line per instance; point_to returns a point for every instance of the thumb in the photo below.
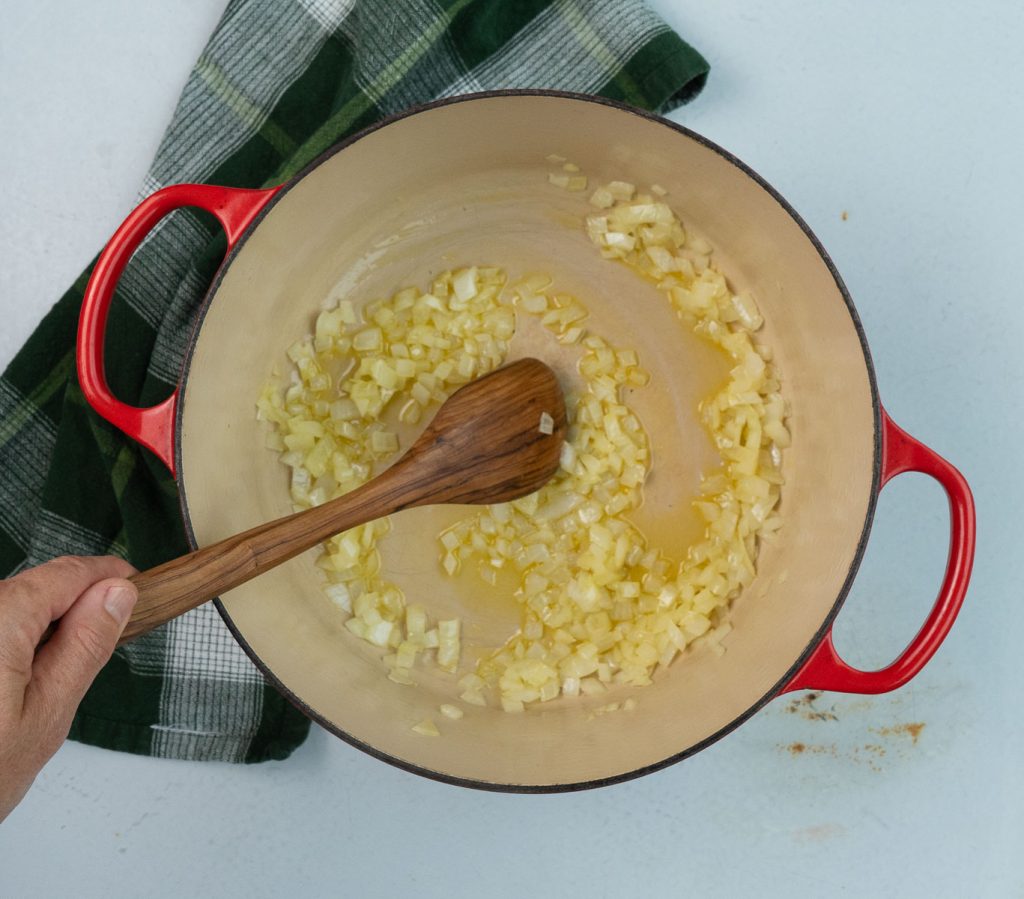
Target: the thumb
pixel 83 643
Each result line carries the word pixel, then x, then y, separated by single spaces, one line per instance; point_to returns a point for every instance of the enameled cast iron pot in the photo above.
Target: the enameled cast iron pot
pixel 464 182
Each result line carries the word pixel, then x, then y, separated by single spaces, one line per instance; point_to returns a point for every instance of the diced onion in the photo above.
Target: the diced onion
pixel 330 432
pixel 618 613
pixel 427 728
pixel 599 607
pixel 448 644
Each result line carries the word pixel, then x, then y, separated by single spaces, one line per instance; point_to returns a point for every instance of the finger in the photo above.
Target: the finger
pixel 29 601
pixel 82 644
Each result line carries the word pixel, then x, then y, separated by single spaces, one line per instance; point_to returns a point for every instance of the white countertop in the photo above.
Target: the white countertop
pixel 907 117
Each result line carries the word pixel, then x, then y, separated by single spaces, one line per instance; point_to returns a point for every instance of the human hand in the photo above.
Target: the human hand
pixel 40 691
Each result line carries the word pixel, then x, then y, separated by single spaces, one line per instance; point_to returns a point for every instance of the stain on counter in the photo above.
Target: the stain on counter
pixel 818 833
pixel 806 706
pixel 795 749
pixel 858 739
pixel 869 754
pixel 913 731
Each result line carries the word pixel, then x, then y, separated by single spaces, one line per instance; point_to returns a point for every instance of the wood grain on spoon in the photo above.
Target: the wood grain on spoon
pixel 485 445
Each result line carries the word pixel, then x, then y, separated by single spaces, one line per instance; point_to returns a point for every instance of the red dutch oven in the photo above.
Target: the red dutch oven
pixel 464 182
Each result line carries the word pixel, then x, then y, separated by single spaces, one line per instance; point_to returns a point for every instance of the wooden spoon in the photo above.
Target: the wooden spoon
pixel 485 445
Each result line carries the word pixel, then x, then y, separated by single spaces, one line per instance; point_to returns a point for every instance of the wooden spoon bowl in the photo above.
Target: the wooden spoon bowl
pixel 494 440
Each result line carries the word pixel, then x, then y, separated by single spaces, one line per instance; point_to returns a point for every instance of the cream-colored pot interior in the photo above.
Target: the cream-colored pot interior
pixel 466 183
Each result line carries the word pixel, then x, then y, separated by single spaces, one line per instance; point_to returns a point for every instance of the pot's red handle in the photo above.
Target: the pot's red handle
pixel 152 427
pixel 825 670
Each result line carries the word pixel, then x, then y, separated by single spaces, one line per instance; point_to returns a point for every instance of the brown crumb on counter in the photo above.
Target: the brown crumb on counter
pixel 869 754
pixel 844 215
pixel 795 749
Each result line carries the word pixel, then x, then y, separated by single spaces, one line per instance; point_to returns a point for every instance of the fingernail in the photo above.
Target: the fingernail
pixel 119 602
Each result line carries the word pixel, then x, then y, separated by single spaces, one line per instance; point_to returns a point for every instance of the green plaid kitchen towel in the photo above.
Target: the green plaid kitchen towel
pixel 278 83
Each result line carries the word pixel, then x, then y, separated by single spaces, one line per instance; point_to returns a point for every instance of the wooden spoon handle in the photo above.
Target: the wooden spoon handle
pixel 490 442
pixel 188 581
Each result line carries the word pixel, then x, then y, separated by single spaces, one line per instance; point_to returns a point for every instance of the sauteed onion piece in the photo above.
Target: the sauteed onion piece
pixel 356 379
pixel 599 606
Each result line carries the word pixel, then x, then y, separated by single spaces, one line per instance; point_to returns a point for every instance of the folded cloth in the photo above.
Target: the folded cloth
pixel 278 83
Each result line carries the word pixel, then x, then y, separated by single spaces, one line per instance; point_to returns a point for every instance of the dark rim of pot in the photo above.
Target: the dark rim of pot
pixel 861 544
